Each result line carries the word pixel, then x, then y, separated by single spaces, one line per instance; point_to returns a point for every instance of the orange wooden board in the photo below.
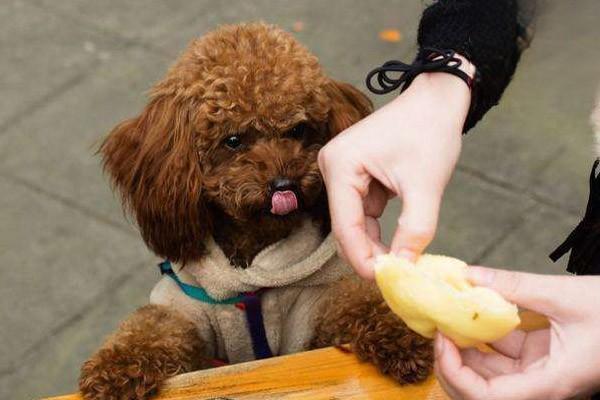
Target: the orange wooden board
pixel 316 375
pixel 532 321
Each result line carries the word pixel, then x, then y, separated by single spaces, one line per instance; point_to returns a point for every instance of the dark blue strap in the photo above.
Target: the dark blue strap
pixel 256 325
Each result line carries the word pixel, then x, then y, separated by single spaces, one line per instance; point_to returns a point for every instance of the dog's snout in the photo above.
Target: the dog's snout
pixel 282 184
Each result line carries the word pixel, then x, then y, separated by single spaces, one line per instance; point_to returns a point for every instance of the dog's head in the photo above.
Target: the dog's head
pixel 235 125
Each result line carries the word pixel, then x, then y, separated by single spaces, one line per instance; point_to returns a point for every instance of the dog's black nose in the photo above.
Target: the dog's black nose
pixel 282 184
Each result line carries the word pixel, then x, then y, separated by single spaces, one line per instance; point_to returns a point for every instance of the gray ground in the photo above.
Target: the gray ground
pixel 72 266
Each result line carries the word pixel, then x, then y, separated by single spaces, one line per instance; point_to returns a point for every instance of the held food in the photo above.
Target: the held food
pixel 434 294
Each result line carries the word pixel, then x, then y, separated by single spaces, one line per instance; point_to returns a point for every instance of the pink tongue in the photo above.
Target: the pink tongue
pixel 283 203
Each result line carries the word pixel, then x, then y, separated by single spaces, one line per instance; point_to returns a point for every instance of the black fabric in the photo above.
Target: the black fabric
pixel 584 241
pixel 428 60
pixel 484 31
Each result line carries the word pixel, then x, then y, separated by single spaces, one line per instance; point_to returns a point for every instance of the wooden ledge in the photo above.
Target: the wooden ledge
pixel 323 374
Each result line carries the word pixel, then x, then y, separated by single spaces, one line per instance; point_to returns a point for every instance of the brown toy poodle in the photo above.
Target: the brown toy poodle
pixel 220 172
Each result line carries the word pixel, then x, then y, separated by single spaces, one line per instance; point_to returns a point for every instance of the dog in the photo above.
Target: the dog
pixel 220 173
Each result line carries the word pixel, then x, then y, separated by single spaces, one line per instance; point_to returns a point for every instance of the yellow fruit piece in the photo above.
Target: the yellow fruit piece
pixel 434 294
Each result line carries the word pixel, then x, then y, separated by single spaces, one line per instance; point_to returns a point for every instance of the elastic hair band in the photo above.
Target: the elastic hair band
pixel 428 59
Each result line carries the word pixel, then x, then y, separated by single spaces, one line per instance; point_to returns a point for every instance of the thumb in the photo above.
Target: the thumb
pixel 416 225
pixel 539 293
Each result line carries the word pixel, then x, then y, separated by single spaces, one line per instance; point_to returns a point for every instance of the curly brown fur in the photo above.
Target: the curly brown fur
pixel 354 312
pixel 175 173
pixel 182 181
pixel 152 345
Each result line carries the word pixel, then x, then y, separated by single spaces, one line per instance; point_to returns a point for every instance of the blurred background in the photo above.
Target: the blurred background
pixel 72 266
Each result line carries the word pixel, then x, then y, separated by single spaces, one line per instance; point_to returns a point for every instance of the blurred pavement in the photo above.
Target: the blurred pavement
pixel 72 266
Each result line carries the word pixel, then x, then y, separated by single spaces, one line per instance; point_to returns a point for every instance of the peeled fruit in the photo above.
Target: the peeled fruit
pixel 434 294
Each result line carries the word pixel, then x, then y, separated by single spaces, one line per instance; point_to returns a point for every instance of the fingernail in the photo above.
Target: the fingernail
pixel 480 276
pixel 439 345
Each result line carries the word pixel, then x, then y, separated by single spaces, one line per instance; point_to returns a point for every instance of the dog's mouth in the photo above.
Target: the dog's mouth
pixel 283 202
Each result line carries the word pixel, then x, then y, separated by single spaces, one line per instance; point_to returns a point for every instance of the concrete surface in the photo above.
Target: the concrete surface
pixel 71 70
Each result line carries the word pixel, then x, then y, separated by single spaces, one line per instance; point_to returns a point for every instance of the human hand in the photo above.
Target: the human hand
pixel 556 363
pixel 408 148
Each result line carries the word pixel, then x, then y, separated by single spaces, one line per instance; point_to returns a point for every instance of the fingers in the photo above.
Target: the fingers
pixel 373 229
pixel 534 292
pixel 459 381
pixel 417 224
pixel 526 346
pixel 454 395
pixel 349 227
pixel 489 365
pixel 356 200
pixel 463 382
pixel 376 200
pixel 510 345
pixel 374 233
pixel 346 187
pixel 374 205
pixel 515 352
pixel 530 385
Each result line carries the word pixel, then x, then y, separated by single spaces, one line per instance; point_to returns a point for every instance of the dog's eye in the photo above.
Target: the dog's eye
pixel 233 142
pixel 297 132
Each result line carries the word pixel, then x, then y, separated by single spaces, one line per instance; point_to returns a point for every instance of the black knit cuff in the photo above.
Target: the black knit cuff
pixel 483 31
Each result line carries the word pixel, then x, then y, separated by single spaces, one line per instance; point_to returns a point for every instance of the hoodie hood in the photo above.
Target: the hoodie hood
pixel 302 259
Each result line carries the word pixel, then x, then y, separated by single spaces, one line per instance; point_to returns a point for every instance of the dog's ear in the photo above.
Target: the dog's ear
pixel 153 162
pixel 348 106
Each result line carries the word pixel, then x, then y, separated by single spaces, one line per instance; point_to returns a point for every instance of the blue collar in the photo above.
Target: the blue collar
pixel 195 292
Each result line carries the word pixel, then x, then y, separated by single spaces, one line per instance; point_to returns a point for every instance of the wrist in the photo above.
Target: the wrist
pixel 451 92
pixel 449 84
pixel 466 66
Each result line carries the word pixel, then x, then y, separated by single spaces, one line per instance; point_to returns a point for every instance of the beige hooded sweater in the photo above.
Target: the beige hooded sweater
pixel 296 270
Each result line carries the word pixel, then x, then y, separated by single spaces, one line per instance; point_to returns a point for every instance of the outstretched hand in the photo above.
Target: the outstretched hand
pixel 556 363
pixel 408 148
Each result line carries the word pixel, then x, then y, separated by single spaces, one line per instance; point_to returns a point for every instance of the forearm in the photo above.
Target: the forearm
pixel 484 31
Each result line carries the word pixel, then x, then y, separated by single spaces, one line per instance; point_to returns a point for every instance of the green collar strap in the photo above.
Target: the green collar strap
pixel 195 292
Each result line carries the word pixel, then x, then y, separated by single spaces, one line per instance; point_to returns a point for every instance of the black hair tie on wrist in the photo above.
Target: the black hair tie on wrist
pixel 428 59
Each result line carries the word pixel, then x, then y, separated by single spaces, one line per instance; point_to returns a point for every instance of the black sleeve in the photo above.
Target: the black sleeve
pixel 488 33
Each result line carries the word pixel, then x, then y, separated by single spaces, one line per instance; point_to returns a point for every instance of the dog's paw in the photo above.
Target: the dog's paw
pixel 124 374
pixel 397 351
